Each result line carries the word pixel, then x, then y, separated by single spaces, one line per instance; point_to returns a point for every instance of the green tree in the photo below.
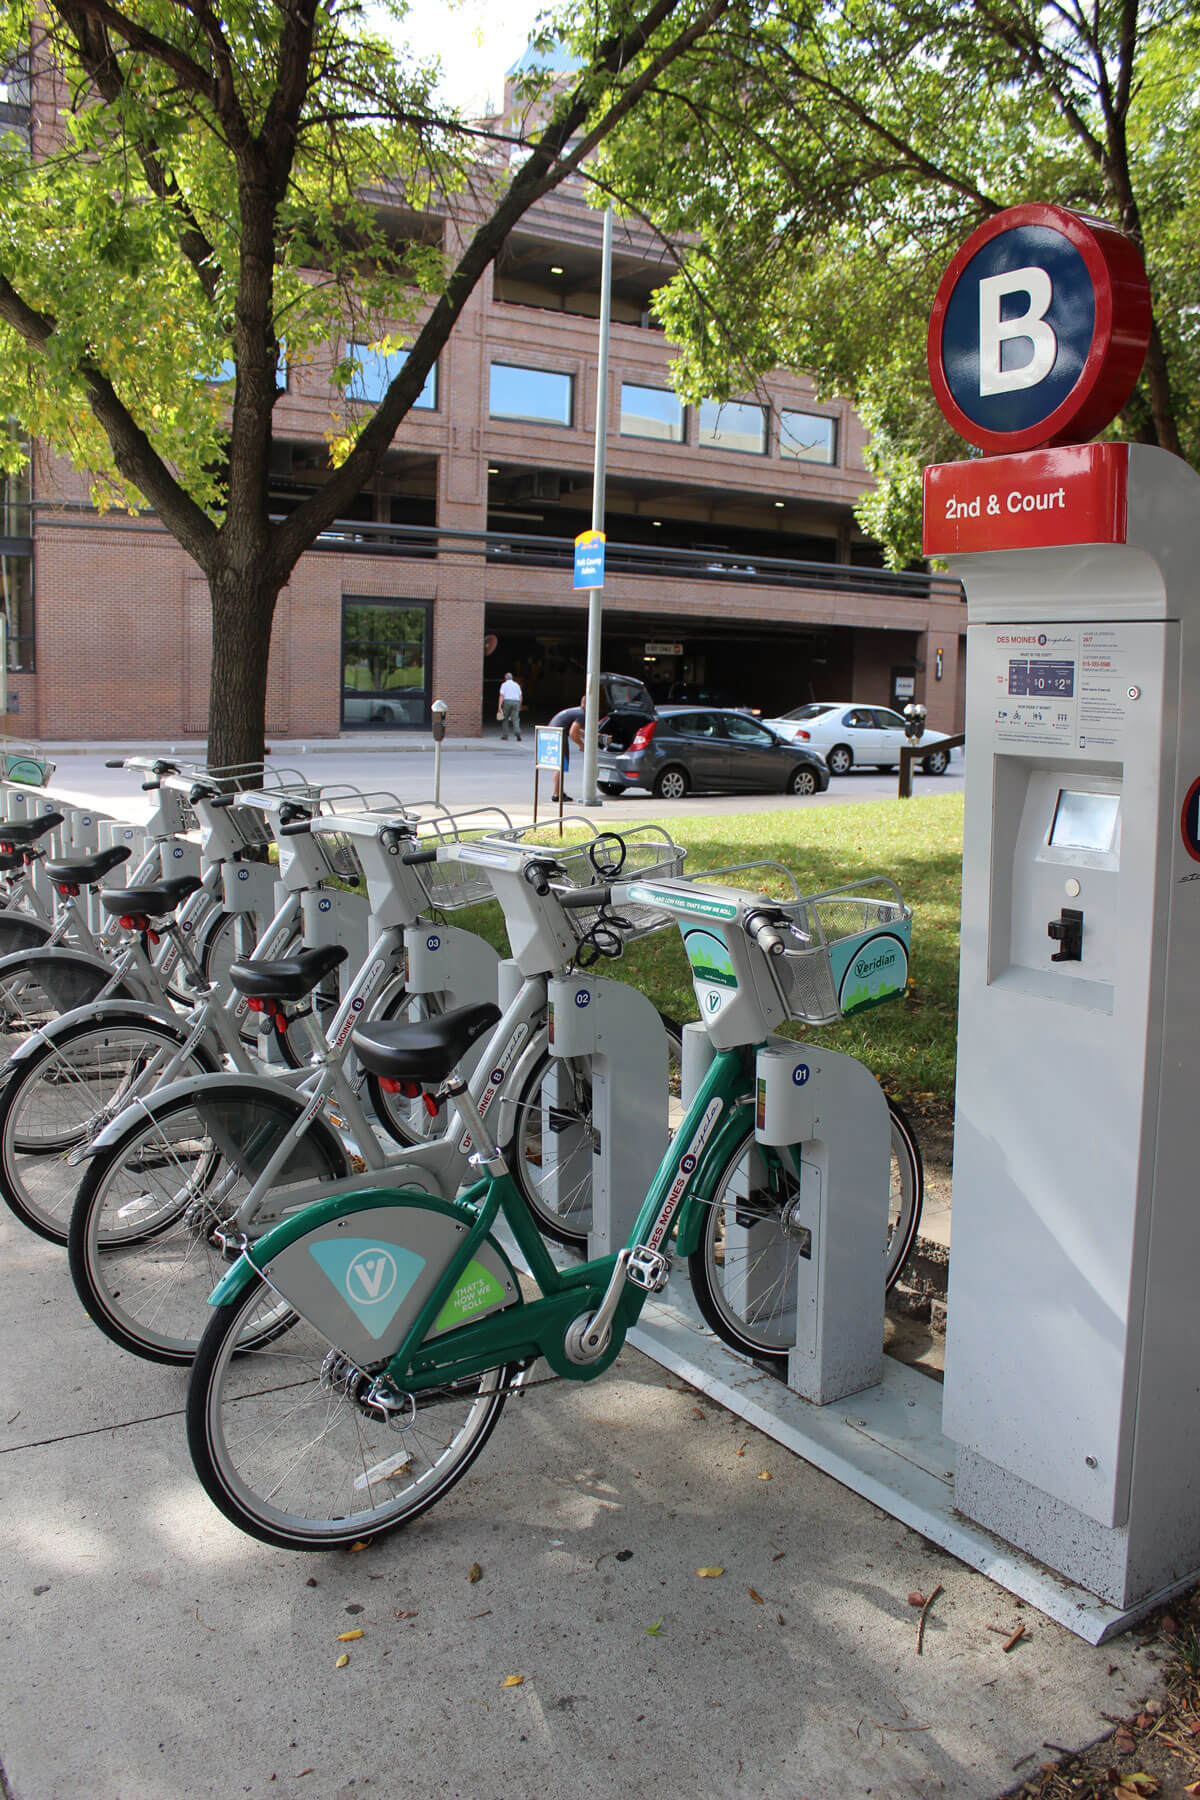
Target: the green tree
pixel 201 196
pixel 823 172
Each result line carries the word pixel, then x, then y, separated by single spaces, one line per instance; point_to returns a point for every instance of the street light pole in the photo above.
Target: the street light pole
pixel 591 704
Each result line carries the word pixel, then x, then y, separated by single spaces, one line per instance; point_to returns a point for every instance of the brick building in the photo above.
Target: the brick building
pixel 735 566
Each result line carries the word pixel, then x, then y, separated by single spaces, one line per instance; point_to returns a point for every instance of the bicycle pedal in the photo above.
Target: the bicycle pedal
pixel 648 1269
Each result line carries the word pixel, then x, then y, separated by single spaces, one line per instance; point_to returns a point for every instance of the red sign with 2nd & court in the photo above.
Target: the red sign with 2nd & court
pixel 1075 494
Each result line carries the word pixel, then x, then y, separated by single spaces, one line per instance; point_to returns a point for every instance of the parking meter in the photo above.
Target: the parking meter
pixel 438 710
pixel 1074 1336
pixel 914 721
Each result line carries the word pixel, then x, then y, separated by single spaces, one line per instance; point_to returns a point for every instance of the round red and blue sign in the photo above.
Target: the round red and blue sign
pixel 1039 329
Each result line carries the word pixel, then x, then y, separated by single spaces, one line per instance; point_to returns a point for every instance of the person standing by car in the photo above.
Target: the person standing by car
pixel 571 720
pixel 510 707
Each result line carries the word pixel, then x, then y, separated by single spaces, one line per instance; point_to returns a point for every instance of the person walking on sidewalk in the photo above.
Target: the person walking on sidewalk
pixel 572 717
pixel 510 707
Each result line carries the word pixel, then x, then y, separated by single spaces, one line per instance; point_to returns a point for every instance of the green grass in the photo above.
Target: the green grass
pixel 909 1043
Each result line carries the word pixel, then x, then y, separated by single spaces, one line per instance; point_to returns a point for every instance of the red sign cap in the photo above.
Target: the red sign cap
pixel 1039 329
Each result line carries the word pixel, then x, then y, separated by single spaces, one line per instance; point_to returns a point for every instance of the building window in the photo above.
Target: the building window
pixel 375 371
pixel 16 564
pixel 732 425
pixel 539 395
pixel 385 663
pixel 14 100
pixel 651 412
pixel 808 437
pixel 226 370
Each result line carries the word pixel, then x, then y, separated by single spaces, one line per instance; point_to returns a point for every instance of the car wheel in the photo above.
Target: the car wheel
pixel 802 781
pixel 610 787
pixel 840 759
pixel 670 784
pixel 936 763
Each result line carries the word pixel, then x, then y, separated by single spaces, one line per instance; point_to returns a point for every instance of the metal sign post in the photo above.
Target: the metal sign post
pixel 591 703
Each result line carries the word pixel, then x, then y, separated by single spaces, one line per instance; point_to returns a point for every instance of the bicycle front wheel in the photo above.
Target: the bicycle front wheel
pixel 551 1151
pixel 82 1075
pixel 288 1445
pixel 154 1226
pixel 743 1271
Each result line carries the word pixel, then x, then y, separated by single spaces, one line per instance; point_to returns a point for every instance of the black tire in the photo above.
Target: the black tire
pixel 145 1238
pixel 840 759
pixel 750 1197
pixel 56 1102
pixel 802 781
pixel 936 763
pixel 554 1172
pixel 279 1442
pixel 671 783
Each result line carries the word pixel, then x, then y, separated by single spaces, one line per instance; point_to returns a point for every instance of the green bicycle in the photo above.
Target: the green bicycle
pixel 393 1325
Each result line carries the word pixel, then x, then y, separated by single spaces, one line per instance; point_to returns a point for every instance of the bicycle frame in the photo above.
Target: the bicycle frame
pixel 418 1349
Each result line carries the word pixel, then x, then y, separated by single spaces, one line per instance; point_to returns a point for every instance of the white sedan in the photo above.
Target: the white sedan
pixel 846 734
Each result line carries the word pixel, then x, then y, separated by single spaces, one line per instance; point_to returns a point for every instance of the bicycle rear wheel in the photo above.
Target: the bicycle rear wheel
pixel 153 1228
pixel 743 1271
pixel 287 1444
pixel 56 1101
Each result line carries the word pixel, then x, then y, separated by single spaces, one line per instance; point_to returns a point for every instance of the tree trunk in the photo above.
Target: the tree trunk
pixel 243 607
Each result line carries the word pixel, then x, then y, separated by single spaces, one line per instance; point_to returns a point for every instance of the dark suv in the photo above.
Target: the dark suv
pixel 712 749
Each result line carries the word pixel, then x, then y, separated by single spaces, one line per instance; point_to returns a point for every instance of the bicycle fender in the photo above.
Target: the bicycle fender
pixel 106 1012
pixel 691 1216
pixel 58 958
pixel 185 1085
pixel 361 1268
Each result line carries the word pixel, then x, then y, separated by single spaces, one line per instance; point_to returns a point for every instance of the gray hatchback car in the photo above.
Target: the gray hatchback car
pixel 710 749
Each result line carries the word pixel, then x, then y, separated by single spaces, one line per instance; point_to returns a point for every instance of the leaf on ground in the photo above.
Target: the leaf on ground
pixel 655 1630
pixel 755 1596
pixel 1141 1784
pixel 342 1660
pixel 474 1573
pixel 512 1681
pixel 348 1637
pixel 707 1574
pixel 915 1599
pixel 401 1614
pixel 764 1474
pixel 741 1451
pixel 1193 1788
pixel 361 1545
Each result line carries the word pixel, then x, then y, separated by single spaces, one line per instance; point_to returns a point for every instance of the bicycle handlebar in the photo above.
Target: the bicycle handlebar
pixel 760 928
pixel 294 827
pixel 572 898
pixel 418 856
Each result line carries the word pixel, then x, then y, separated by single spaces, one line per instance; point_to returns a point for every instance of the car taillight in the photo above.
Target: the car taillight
pixel 806 735
pixel 644 734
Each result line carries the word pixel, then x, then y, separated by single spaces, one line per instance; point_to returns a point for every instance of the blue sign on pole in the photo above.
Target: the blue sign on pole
pixel 547 746
pixel 589 559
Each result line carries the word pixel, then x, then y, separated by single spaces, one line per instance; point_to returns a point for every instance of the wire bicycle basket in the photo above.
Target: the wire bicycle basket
pixel 856 955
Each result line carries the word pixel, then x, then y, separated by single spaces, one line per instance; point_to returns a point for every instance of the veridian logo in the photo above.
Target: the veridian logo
pixel 374 1279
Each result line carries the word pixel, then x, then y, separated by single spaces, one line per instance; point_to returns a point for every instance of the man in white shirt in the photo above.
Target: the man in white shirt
pixel 510 707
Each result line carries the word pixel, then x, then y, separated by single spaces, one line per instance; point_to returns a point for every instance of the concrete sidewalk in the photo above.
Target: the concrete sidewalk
pixel 154 1653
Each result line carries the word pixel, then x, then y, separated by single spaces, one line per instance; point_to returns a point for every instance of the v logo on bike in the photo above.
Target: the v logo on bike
pixel 374 1278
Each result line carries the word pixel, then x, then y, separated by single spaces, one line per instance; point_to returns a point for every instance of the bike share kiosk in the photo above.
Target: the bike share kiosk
pixel 1074 1334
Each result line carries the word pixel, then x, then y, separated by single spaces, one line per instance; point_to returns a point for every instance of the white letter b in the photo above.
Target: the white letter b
pixel 994 332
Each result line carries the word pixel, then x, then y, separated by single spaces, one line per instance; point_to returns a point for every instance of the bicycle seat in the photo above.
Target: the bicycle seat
pixel 89 869
pixel 422 1049
pixel 286 977
pixel 27 831
pixel 152 900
